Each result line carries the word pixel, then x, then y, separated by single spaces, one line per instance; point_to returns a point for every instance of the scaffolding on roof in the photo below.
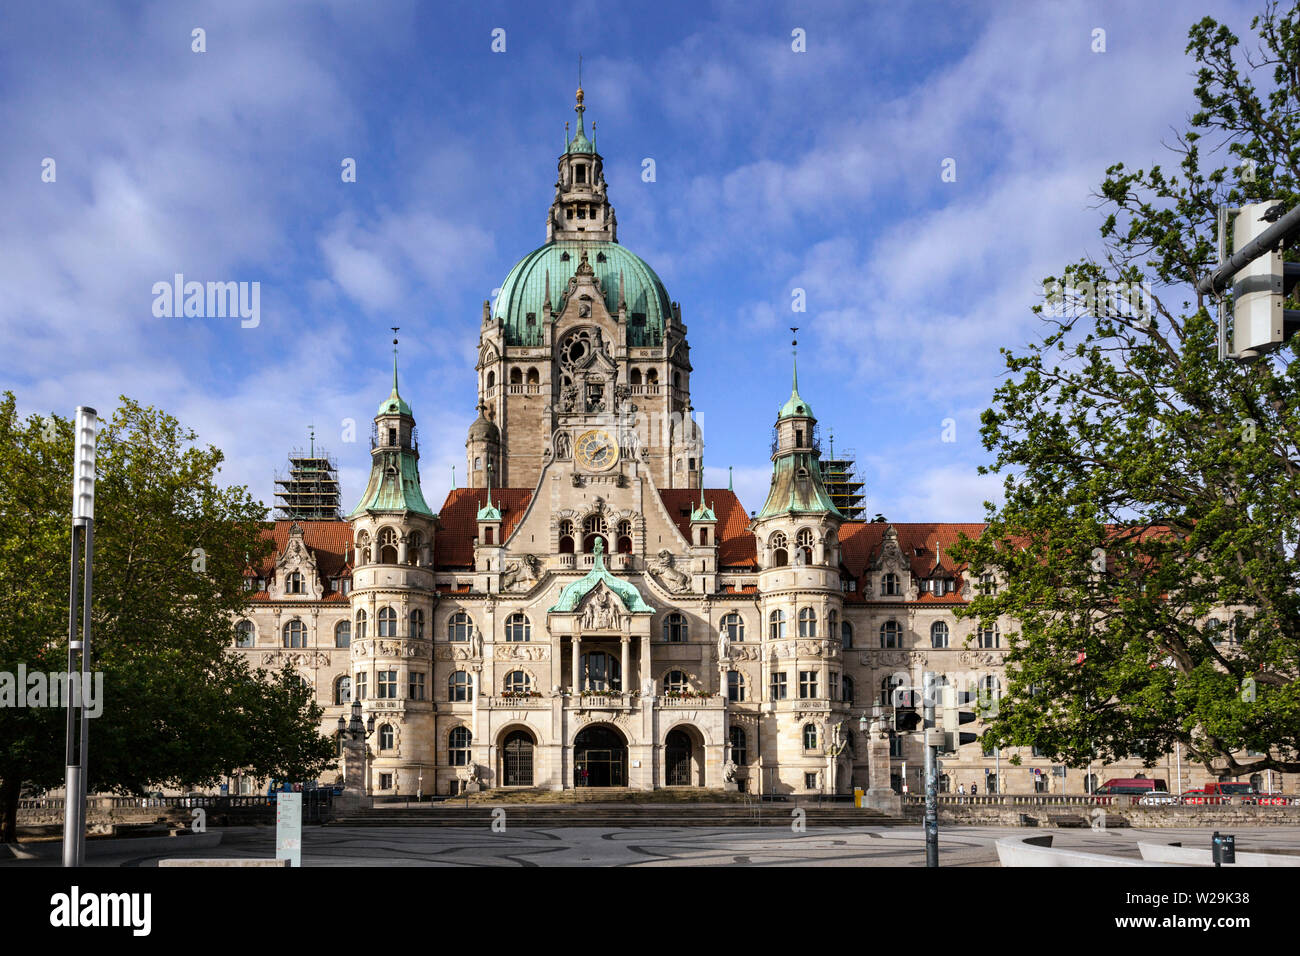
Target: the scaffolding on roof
pixel 311 490
pixel 843 482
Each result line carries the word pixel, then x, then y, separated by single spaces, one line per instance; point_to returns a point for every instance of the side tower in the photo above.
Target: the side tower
pixel 392 603
pixel 797 534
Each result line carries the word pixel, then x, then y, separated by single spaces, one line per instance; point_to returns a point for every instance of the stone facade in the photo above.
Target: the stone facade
pixel 585 613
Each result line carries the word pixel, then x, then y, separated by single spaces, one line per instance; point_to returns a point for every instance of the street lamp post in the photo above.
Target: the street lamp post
pixel 83 521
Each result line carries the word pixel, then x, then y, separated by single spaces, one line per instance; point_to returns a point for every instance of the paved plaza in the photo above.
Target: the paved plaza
pixel 671 846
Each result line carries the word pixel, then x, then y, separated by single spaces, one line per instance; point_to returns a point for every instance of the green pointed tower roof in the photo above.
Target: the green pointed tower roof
pixel 394 483
pixel 575 591
pixel 394 404
pixel 580 143
pixel 490 512
pixel 795 406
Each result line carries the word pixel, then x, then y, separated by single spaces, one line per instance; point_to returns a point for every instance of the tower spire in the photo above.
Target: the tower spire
pixel 794 352
pixel 395 328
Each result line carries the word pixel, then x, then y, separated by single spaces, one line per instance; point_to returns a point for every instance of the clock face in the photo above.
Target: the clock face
pixel 596 450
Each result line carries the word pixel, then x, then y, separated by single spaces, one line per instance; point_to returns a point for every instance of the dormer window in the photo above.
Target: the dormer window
pixel 564 256
pixel 600 256
pixel 294 584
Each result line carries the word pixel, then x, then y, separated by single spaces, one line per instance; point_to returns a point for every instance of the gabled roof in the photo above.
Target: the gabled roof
pixel 328 542
pixel 458 522
pixel 736 547
pixel 860 544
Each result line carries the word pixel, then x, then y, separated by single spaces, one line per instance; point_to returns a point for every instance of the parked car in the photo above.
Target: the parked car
pixel 1193 798
pixel 1226 790
pixel 1156 798
pixel 1274 800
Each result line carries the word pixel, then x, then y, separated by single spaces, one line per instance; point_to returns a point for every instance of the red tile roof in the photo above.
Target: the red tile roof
pixel 458 522
pixel 860 543
pixel 736 547
pixel 327 541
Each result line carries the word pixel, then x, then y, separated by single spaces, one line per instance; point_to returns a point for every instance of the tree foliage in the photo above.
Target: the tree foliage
pixel 1151 489
pixel 171 544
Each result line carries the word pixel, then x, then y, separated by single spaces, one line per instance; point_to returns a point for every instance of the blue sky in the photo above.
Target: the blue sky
pixel 776 170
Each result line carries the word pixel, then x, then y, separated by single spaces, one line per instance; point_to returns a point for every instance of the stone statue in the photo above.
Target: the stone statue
pixel 476 643
pixel 724 644
pixel 469 775
pixel 521 573
pixel 568 398
pixel 669 576
pixel 562 447
pixel 729 771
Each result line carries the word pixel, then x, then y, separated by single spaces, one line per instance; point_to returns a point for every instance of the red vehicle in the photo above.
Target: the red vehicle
pixel 1274 800
pixel 1224 791
pixel 1197 797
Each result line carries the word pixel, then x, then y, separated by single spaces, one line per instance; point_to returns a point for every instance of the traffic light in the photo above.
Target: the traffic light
pixel 952 738
pixel 1260 281
pixel 906 719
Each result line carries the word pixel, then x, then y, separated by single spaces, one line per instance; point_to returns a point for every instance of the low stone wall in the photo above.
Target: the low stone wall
pixel 1214 817
pixel 103 819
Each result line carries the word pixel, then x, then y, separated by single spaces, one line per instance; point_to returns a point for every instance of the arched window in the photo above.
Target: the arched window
pixel 592 528
pixel 652 377
pixel 602 671
pixel 566 536
pixel 533 377
pixel 989 637
pixel 675 682
pixel 386 737
pixel 739 748
pixel 776 626
pixel 491 379
pixel 387 622
pixel 516 376
pixel 625 537
pixel 417 624
pixel 832 622
pixel 343 634
pixel 244 634
pixel 804 541
pixel 807 622
pixel 388 546
pixel 846 635
pixel 361 625
pixel 777 545
pixel 847 683
pixel 677 379
pixel 889 585
pixel 294 583
pixel 891 634
pixel 989 693
pixel 675 628
pixel 414 542
pixel 459 626
pixel 809 736
pixel 518 683
pixel 460 687
pixel 734 626
pixel 295 634
pixel 518 629
pixel 939 634
pixel 735 686
pixel 343 690
pixel 634 378
pixel 888 688
pixel 458 747
pixel 988 583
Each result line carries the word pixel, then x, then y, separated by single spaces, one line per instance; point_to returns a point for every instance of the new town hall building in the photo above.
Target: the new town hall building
pixel 585 612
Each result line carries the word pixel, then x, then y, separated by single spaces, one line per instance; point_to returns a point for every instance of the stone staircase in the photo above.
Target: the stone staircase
pixel 606 815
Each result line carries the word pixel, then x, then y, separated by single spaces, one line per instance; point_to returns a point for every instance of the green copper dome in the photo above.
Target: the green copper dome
pixel 524 290
pixel 394 404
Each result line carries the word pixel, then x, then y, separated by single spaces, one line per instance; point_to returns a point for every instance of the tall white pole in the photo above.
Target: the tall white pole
pixel 83 521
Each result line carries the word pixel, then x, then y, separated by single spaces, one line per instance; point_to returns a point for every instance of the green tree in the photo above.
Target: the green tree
pixel 1152 490
pixel 170 547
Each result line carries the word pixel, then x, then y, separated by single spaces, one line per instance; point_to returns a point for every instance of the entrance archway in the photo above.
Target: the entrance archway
pixel 599 758
pixel 683 758
pixel 517 759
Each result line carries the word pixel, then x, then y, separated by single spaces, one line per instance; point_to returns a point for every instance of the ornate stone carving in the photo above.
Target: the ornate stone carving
pixel 297 658
pixel 521 652
pixel 522 574
pixel 979 657
pixel 601 612
pixel 668 576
